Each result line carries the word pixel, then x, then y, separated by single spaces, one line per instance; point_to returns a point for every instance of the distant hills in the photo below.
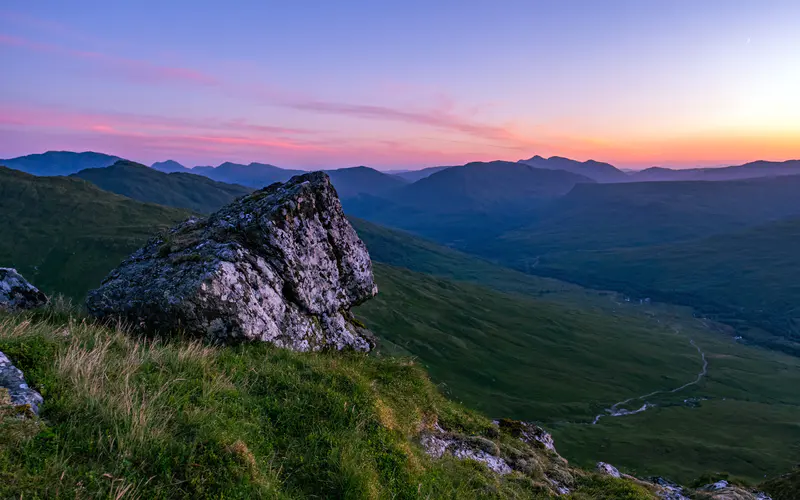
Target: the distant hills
pixel 600 172
pixel 415 175
pixel 183 190
pixel 59 162
pixel 746 171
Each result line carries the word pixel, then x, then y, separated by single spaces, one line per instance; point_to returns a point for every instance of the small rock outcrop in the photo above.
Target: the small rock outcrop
pixel 14 390
pixel 16 294
pixel 529 451
pixel 281 265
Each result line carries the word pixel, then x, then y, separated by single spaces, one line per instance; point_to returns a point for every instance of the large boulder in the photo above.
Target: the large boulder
pixel 16 294
pixel 281 265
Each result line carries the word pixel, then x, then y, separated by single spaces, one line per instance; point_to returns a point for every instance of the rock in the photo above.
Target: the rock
pixel 608 469
pixel 18 392
pixel 528 432
pixel 437 445
pixel 281 265
pixel 16 294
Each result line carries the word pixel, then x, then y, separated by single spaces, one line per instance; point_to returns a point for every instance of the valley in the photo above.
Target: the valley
pixel 647 386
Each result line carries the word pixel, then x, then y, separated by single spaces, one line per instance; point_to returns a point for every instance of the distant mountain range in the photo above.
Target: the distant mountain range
pixel 258 175
pixel 600 172
pixel 746 171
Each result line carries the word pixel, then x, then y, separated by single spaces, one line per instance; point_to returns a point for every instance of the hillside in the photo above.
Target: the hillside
pixel 486 185
pixel 506 343
pixel 744 277
pixel 471 203
pixel 747 171
pixel 65 234
pixel 59 162
pixel 254 175
pixel 599 216
pixel 195 421
pixel 354 181
pixel 182 190
pixel 598 171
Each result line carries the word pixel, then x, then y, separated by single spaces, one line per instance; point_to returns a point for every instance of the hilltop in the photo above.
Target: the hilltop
pixel 59 162
pixel 182 190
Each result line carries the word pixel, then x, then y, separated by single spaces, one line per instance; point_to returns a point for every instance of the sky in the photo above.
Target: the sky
pixel 403 84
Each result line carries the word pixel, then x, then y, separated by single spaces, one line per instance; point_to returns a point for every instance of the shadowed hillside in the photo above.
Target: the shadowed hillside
pixel 182 190
pixel 65 234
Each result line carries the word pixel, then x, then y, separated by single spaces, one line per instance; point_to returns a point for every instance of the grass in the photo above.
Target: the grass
pixel 64 234
pixel 129 418
pixel 539 349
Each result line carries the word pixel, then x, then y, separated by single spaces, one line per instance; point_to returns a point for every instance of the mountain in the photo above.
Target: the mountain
pixel 354 181
pixel 255 175
pixel 415 175
pixel 595 216
pixel 746 171
pixel 170 166
pixel 64 234
pixel 473 202
pixel 600 172
pixel 480 186
pixel 59 162
pixel 182 190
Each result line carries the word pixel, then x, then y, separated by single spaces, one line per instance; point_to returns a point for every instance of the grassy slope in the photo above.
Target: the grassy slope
pixel 749 276
pixel 495 351
pixel 182 190
pixel 131 419
pixel 438 310
pixel 65 234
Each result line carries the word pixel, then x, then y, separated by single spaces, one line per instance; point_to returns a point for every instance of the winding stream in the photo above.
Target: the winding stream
pixel 615 411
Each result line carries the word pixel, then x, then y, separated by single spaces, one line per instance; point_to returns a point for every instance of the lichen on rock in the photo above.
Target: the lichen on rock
pixel 16 294
pixel 281 265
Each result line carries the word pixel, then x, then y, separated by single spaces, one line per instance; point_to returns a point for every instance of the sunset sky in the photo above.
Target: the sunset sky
pixel 403 84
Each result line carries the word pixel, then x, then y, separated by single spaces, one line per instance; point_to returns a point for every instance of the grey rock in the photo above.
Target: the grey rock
pixel 13 381
pixel 608 469
pixel 281 265
pixel 436 445
pixel 16 294
pixel 530 433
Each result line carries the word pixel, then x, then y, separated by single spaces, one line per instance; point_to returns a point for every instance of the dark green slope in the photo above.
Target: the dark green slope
pixel 65 234
pixel 59 162
pixel 750 276
pixel 193 192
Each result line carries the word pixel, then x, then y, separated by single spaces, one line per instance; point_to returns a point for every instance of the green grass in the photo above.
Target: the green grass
pixel 549 351
pixel 126 418
pixel 64 234
pixel 749 277
pixel 510 355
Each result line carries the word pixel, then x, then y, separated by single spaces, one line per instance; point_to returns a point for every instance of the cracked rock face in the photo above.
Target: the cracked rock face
pixel 16 294
pixel 17 392
pixel 281 265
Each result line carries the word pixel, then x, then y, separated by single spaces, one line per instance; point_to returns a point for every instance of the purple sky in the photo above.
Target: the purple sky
pixel 403 84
